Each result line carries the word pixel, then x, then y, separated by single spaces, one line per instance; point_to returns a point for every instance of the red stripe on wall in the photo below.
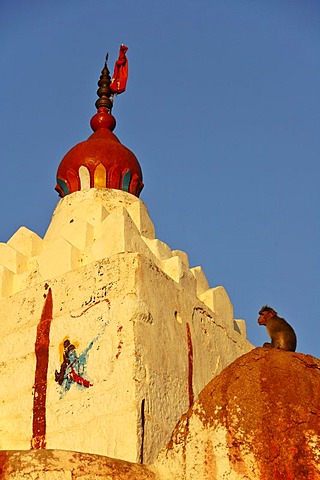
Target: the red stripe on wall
pixel 190 365
pixel 40 381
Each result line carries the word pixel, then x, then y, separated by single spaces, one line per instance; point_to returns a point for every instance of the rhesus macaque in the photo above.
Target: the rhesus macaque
pixel 281 333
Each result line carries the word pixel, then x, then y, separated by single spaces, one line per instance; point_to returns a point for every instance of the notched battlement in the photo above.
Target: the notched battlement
pixel 91 225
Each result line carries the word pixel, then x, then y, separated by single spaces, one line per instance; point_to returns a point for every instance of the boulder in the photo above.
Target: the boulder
pixel 258 419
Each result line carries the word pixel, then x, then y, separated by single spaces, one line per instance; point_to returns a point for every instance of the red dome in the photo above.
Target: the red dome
pixel 100 162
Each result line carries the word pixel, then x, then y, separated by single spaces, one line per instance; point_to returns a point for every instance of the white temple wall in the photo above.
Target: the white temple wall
pixel 143 333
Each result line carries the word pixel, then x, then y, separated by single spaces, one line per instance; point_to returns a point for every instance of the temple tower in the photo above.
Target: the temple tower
pixel 107 335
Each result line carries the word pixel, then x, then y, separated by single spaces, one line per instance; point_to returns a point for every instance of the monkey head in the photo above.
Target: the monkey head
pixel 265 314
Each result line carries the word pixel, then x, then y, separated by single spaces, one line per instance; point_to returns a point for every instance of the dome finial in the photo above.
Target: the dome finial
pixel 107 89
pixel 104 92
pixel 102 161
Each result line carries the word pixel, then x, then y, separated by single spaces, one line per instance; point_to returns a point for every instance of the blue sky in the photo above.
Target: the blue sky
pixel 222 109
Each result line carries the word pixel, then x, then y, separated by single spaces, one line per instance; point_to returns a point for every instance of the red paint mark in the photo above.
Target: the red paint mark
pixel 190 365
pixel 96 303
pixel 79 380
pixel 119 349
pixel 119 329
pixel 40 381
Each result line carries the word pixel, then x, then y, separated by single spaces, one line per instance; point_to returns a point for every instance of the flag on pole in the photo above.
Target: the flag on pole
pixel 120 74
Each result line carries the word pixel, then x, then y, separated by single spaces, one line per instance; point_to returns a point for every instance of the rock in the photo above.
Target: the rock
pixel 64 465
pixel 258 419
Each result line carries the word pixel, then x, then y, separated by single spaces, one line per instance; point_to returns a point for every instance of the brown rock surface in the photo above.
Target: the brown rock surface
pixel 64 465
pixel 267 404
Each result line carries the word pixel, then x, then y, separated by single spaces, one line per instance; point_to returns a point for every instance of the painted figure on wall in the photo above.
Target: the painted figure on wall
pixel 72 368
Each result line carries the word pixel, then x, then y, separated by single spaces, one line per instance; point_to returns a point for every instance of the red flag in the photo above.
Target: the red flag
pixel 120 74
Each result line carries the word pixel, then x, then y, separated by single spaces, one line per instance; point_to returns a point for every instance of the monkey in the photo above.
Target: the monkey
pixel 281 333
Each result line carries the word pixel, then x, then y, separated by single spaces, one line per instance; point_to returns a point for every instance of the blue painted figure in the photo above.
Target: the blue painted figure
pixel 73 367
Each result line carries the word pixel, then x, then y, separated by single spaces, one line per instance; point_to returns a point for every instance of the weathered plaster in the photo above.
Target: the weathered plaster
pixel 151 331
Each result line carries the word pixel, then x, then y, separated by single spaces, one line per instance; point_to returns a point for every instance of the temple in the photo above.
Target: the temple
pixel 109 336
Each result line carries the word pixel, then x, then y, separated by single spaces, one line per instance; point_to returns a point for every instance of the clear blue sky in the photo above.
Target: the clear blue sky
pixel 222 109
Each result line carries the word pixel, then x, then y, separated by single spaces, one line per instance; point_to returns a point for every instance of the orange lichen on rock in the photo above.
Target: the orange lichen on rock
pixel 54 464
pixel 258 419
